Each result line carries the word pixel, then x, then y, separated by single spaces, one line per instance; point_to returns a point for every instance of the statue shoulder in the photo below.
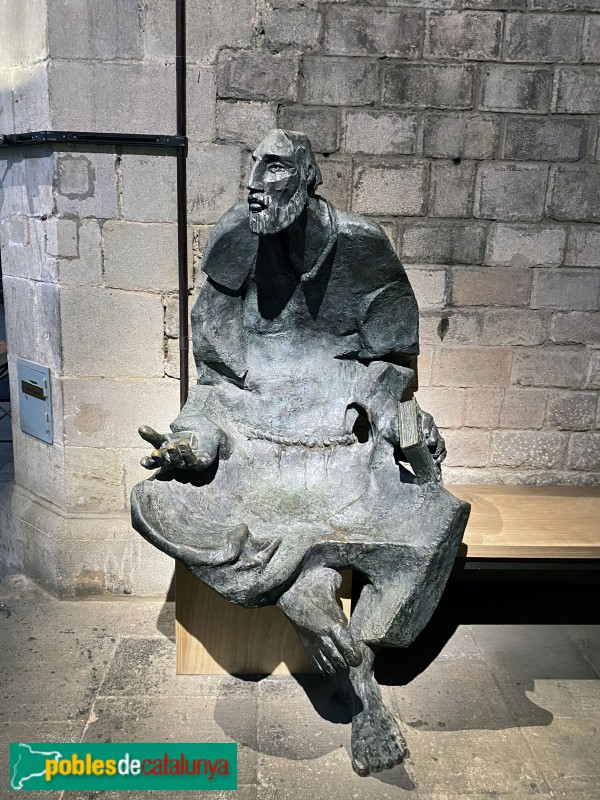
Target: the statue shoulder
pixel 362 242
pixel 230 252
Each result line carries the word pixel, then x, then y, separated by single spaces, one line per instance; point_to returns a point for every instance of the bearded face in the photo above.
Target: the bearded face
pixel 277 186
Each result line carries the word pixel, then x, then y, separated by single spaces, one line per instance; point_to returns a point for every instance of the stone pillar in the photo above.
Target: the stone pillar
pixel 89 262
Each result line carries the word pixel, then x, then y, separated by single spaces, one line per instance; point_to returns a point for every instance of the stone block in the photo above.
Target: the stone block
pixel 460 136
pixel 575 193
pixel 525 246
pixel 467 448
pixel 23 35
pixel 400 189
pixel 107 412
pixel 62 237
pixel 591 40
pixel 549 366
pixel 144 102
pixel 584 451
pixel 428 86
pixel 451 192
pixel 294 27
pixel 496 5
pixel 451 327
pixel 109 332
pixel 40 467
pixel 31 100
pixel 578 90
pixel 510 191
pixel 593 373
pixel 94 479
pixel 86 184
pixel 361 31
pixel 523 408
pixel 564 5
pixel 468 35
pixel 242 121
pixel 508 88
pixel 27 183
pixel 210 26
pixel 444 404
pixel 514 327
pixel 214 178
pixel 424 367
pixel 379 133
pixel 201 89
pixel 24 254
pixel 490 287
pixel 38 303
pixel 572 411
pixel 337 181
pixel 340 81
pixel 472 367
pixel 140 255
pixel 87 267
pixel 540 139
pixel 583 249
pixel 173 359
pixel 149 187
pixel 257 76
pixel 566 289
pixel 482 409
pixel 543 37
pixel 7 121
pixel 94 29
pixel 576 327
pixel 444 243
pixel 429 286
pixel 321 125
pixel 533 449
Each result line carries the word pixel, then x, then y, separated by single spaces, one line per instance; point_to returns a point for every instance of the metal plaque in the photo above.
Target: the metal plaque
pixel 35 401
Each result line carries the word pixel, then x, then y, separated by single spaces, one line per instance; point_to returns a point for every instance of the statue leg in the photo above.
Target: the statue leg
pixel 311 605
pixel 377 742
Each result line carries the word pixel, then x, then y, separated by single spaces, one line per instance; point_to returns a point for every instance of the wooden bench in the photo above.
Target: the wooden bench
pixel 549 523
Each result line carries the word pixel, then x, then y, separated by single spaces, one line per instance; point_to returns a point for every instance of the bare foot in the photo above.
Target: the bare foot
pixel 322 628
pixel 377 742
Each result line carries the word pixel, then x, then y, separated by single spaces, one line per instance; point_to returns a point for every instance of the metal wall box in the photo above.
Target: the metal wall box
pixel 35 400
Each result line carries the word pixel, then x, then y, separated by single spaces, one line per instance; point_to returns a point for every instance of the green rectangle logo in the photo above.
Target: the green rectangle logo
pixel 120 766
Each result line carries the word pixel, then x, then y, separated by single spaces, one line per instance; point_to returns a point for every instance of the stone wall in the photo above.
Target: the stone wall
pixel 467 128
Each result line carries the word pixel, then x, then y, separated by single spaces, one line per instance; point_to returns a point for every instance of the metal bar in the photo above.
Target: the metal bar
pixel 160 141
pixel 180 76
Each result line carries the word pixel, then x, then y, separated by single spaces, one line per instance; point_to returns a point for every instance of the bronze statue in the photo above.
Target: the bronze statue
pixel 286 464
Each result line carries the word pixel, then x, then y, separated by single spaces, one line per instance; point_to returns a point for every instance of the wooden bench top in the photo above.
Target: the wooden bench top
pixel 531 521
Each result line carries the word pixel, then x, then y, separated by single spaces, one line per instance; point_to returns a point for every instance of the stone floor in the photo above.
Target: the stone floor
pixel 499 697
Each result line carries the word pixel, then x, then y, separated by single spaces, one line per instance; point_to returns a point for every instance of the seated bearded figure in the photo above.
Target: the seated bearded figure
pixel 285 465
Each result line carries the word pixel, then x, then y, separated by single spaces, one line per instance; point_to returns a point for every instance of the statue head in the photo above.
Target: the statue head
pixel 284 175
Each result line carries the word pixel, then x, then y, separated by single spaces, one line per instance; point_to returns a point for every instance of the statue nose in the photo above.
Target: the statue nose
pixel 255 181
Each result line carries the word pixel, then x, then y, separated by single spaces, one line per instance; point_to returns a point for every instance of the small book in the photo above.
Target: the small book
pixel 414 448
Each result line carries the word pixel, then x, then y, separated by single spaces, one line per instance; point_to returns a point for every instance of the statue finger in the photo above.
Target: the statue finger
pixel 149 463
pixel 333 655
pixel 326 666
pixel 175 456
pixel 347 646
pixel 151 436
pixel 190 458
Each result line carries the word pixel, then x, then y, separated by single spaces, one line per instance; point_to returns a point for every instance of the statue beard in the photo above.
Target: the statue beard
pixel 277 216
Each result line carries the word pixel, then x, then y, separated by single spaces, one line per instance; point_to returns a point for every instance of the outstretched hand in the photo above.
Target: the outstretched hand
pixel 179 451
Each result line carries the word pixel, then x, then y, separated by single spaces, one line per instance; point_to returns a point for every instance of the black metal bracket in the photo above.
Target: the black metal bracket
pixel 140 140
